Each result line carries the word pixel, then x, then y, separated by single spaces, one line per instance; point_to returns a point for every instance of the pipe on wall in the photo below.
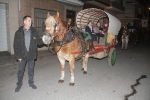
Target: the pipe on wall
pixel 19 13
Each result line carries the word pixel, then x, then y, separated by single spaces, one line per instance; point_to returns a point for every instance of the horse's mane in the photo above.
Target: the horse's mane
pixel 50 20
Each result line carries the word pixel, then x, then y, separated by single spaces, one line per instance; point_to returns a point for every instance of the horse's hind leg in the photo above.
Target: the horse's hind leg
pixel 85 61
pixel 71 63
pixel 62 67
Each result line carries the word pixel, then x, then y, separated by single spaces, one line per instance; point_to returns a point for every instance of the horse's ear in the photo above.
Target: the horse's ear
pixel 56 16
pixel 48 14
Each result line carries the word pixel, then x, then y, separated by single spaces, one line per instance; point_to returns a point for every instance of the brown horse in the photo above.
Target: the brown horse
pixel 57 32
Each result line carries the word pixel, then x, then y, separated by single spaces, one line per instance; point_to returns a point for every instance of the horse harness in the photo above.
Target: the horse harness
pixel 69 37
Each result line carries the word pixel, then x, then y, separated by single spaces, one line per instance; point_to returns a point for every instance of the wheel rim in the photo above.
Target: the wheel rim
pixel 113 57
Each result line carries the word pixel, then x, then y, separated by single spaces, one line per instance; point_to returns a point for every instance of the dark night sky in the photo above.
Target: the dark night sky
pixel 144 2
pixel 145 5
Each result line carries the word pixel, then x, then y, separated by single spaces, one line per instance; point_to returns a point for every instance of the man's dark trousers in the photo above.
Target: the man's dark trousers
pixel 21 70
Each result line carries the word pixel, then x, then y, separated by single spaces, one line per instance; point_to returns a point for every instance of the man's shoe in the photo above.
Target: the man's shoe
pixel 33 86
pixel 17 88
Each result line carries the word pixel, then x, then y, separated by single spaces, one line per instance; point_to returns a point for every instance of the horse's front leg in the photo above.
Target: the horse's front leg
pixel 62 67
pixel 85 61
pixel 71 63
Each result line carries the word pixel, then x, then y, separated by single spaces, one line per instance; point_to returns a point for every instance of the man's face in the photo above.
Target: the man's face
pixel 105 25
pixel 90 23
pixel 98 24
pixel 28 22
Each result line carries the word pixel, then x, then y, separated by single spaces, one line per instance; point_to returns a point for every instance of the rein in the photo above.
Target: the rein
pixel 50 48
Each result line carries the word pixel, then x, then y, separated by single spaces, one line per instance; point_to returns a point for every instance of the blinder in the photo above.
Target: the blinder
pixel 55 28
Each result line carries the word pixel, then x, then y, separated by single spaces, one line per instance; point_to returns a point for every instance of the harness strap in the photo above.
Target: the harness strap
pixel 69 37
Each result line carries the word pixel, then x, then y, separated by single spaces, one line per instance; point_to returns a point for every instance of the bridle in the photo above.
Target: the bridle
pixel 51 45
pixel 68 37
pixel 55 28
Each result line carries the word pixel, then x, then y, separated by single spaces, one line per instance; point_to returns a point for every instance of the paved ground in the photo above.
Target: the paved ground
pixel 102 82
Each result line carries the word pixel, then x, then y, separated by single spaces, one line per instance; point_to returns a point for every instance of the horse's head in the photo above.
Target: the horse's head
pixel 51 24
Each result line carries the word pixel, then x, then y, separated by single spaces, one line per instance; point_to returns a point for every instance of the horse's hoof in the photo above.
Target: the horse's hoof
pixel 61 81
pixel 84 72
pixel 71 84
pixel 82 69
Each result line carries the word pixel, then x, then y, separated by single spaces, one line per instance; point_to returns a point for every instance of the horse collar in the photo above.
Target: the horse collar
pixel 69 37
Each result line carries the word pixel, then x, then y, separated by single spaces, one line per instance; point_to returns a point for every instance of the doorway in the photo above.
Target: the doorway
pixel 71 14
pixel 3 28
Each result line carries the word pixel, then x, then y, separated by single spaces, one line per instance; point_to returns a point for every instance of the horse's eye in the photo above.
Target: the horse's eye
pixel 54 25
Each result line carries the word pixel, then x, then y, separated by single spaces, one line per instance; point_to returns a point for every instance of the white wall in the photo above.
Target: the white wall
pixel 13 22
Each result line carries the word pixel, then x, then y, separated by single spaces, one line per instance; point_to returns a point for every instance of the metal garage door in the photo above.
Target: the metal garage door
pixel 3 30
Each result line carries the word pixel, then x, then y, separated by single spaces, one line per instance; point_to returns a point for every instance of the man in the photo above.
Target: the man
pixel 25 48
pixel 98 30
pixel 89 29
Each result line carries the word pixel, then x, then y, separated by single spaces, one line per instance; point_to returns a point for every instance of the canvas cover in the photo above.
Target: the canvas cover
pixel 94 15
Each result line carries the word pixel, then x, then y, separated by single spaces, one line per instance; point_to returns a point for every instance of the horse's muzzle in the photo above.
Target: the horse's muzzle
pixel 46 39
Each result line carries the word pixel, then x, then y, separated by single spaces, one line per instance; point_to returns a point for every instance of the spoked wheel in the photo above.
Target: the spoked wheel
pixel 112 57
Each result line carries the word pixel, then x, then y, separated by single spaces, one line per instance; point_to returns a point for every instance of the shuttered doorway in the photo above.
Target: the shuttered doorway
pixel 3 28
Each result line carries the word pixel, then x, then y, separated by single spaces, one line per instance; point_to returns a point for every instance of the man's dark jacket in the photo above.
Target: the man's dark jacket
pixel 88 29
pixel 19 44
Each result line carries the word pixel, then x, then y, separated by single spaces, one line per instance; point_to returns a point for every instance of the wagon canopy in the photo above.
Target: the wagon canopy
pixel 95 15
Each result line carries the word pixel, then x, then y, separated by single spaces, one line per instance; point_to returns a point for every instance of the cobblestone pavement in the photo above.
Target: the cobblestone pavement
pixel 102 82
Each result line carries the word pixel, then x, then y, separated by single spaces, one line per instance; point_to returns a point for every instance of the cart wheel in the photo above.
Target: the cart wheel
pixel 112 57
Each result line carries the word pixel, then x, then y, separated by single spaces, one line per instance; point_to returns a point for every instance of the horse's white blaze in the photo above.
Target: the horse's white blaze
pixel 62 75
pixel 72 78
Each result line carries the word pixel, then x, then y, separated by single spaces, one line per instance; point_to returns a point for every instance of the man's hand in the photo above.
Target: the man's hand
pixel 20 59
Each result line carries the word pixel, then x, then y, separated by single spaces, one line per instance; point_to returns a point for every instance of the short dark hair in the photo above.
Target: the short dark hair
pixel 25 17
pixel 90 22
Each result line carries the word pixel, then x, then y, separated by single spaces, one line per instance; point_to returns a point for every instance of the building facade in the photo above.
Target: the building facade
pixel 13 11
